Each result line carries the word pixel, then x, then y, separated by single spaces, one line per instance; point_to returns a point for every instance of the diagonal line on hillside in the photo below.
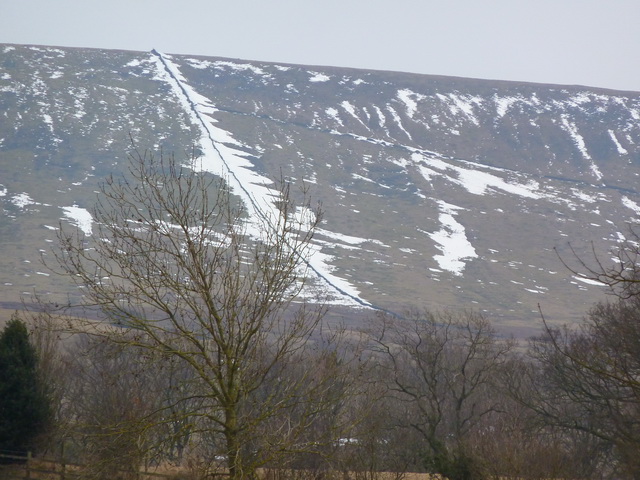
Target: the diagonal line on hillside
pixel 174 74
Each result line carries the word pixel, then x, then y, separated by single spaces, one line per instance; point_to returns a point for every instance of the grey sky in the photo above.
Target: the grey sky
pixel 586 42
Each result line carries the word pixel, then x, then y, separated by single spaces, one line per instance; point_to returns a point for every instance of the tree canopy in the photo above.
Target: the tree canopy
pixel 24 405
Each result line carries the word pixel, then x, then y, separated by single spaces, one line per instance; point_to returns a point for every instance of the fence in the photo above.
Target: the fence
pixel 21 467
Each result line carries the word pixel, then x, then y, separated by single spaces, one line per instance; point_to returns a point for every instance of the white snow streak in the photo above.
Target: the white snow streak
pixel 620 148
pixel 578 140
pixel 221 158
pixel 452 241
pixel 351 110
pixel 474 181
pixel 627 202
pixel 219 155
pixel 589 281
pixel 381 119
pixel 396 117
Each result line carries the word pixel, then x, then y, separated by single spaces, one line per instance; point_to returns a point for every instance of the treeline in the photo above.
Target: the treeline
pixel 205 351
pixel 432 392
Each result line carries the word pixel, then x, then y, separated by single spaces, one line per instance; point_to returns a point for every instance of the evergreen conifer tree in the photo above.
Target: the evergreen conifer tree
pixel 24 404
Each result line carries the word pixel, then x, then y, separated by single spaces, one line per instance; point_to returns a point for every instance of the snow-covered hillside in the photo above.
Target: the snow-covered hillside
pixel 438 192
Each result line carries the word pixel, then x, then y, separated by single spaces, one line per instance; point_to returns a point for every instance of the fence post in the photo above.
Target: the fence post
pixel 28 469
pixel 63 465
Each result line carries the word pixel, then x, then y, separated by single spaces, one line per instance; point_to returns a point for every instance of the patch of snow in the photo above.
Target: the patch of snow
pixel 619 237
pixel 584 97
pixel 48 120
pixel 80 217
pixel 614 139
pixel 596 171
pixel 349 239
pixel 503 104
pixel 318 77
pixel 452 241
pixel 240 67
pixel 627 202
pixel 589 281
pixel 22 200
pixel 409 98
pixel 222 65
pixel 464 104
pixel 427 173
pixel 61 53
pixel 584 196
pixel 333 113
pixel 348 295
pixel 311 178
pixel 474 181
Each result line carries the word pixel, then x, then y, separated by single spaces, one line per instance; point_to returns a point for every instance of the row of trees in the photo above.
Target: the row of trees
pixel 432 392
pixel 186 347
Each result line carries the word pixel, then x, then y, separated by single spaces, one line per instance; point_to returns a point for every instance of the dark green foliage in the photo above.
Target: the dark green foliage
pixel 24 405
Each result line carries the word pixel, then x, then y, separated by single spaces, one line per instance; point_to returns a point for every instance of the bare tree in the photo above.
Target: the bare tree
pixel 588 380
pixel 379 444
pixel 53 371
pixel 110 400
pixel 440 368
pixel 519 442
pixel 176 267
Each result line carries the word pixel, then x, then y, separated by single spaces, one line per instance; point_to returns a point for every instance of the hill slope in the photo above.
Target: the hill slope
pixel 438 192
